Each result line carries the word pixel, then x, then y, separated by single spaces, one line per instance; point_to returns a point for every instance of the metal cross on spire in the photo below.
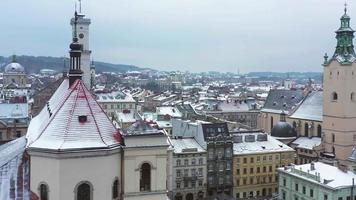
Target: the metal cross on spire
pixel 80 6
pixel 345 9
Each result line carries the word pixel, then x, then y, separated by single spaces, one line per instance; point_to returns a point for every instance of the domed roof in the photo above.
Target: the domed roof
pixel 283 129
pixel 14 67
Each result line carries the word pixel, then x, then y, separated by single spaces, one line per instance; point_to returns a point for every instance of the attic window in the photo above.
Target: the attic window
pixel 274 103
pixel 282 97
pixel 82 118
pixel 293 97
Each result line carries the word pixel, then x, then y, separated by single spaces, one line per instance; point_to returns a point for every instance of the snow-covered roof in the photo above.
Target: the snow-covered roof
pixel 311 108
pixel 168 110
pixel 13 110
pixel 307 143
pixel 116 96
pixel 186 145
pixel 330 176
pixel 14 183
pixel 247 145
pixel 72 120
pixel 126 117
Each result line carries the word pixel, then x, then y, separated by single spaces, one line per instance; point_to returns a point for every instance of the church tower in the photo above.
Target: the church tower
pixel 83 39
pixel 339 105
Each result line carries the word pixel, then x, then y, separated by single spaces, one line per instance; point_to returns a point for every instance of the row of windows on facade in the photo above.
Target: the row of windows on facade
pixel 83 191
pixel 245 160
pixel 16 134
pixel 256 180
pixel 189 196
pixel 221 180
pixel 219 153
pixel 335 97
pixel 307 127
pixel 193 172
pixel 193 162
pixel 189 184
pixel 308 151
pixel 221 166
pixel 303 190
pixel 119 106
pixel 257 193
pixel 258 170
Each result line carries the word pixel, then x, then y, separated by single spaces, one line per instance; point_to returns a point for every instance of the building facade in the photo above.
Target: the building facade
pixel 256 159
pixel 317 181
pixel 189 169
pixel 219 147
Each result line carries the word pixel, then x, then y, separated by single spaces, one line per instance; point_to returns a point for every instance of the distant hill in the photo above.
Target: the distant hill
pixel 33 64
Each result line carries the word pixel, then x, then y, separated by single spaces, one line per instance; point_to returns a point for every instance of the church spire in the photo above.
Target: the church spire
pixel 344 52
pixel 75 71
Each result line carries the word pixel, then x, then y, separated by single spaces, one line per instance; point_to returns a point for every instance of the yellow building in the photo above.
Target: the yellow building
pixel 256 159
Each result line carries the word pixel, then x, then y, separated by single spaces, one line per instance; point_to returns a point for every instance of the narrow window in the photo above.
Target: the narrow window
pixel 334 96
pixel 145 179
pixel 43 192
pixel 84 192
pixel 352 96
pixel 306 130
pixel 115 189
pixel 319 130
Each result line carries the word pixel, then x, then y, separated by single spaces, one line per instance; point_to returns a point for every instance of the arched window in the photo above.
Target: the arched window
pixel 145 177
pixel 189 196
pixel 352 96
pixel 271 123
pixel 178 196
pixel 334 96
pixel 294 125
pixel 115 189
pixel 306 130
pixel 319 130
pixel 43 191
pixel 84 191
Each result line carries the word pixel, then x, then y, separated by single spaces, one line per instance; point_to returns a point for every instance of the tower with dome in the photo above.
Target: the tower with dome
pixel 15 75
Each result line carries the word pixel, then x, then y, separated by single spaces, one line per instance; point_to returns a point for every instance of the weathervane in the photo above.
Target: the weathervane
pixel 80 6
pixel 345 7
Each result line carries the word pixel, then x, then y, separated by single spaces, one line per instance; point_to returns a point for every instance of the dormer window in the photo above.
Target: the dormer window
pixel 82 118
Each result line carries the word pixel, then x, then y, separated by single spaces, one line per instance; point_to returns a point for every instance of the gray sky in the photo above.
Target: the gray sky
pixel 194 35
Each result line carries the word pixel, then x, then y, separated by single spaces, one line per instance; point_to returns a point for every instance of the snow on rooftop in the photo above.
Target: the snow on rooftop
pixel 182 145
pixel 168 110
pixel 115 96
pixel 271 145
pixel 71 120
pixel 307 143
pixel 13 110
pixel 329 175
pixel 13 184
pixel 311 108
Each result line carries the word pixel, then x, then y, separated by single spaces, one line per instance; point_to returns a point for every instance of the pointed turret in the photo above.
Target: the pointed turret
pixel 344 52
pixel 75 71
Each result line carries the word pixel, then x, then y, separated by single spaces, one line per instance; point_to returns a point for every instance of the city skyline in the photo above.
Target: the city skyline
pixel 197 36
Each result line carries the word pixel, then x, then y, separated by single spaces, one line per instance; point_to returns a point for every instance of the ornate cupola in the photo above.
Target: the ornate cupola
pixel 75 71
pixel 344 52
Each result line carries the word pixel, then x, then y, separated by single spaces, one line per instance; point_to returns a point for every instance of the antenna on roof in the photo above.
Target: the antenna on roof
pixel 345 9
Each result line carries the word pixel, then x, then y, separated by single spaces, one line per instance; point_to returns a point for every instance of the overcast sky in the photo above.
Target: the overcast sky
pixel 194 35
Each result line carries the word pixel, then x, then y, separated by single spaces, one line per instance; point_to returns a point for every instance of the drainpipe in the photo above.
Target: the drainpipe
pixel 352 188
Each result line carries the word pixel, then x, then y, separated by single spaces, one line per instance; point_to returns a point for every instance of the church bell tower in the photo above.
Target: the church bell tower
pixel 83 39
pixel 339 101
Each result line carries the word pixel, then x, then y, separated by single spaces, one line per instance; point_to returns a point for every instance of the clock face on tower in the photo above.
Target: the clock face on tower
pixel 81 35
